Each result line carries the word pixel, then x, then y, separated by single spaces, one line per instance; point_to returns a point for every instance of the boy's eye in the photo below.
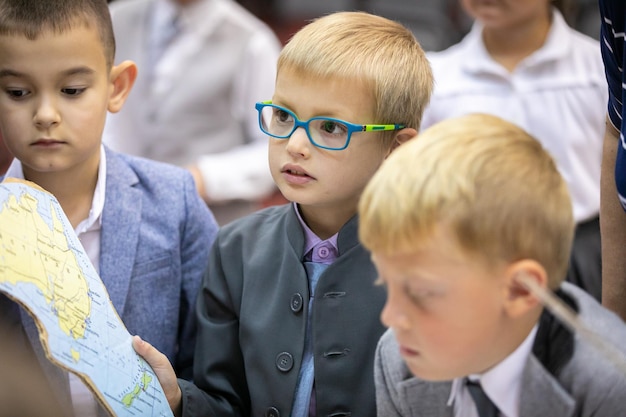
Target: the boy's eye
pixel 73 91
pixel 332 127
pixel 282 116
pixel 421 296
pixel 17 93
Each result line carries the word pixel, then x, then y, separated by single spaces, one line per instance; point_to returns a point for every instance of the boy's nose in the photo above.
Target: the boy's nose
pixel 298 143
pixel 46 114
pixel 392 315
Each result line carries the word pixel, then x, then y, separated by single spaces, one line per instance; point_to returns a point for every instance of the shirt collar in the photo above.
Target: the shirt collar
pixel 311 240
pixel 556 46
pixel 94 220
pixel 502 383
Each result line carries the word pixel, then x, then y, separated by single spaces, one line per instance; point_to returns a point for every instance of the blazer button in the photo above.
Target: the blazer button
pixel 296 303
pixel 272 412
pixel 284 361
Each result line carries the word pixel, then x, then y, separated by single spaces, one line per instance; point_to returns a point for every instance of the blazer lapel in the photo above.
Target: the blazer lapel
pixel 120 229
pixel 542 395
pixel 426 399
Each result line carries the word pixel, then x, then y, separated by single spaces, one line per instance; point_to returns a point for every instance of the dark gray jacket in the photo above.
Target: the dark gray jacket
pixel 252 318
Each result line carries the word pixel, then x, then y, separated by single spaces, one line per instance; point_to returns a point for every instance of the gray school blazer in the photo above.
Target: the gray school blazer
pixel 154 245
pixel 564 381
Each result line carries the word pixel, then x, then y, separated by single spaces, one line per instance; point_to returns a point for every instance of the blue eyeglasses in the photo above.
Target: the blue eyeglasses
pixel 323 132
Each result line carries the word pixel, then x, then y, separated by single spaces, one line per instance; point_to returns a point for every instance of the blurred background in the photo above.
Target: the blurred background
pixel 437 24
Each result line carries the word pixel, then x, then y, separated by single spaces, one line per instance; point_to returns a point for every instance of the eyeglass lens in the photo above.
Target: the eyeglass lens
pixel 328 133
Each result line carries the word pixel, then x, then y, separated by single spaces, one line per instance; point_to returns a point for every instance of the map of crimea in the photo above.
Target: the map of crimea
pixel 44 268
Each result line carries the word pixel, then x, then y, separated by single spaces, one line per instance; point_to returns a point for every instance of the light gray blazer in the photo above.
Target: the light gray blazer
pixel 155 240
pixel 584 385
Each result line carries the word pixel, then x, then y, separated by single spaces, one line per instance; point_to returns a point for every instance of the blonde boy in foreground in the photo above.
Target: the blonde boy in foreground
pixel 350 88
pixel 454 220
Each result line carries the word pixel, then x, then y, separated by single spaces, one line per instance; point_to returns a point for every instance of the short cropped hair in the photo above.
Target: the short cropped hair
pixel 490 183
pixel 31 18
pixel 361 46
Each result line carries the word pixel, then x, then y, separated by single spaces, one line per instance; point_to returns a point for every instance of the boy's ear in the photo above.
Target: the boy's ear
pixel 122 79
pixel 521 277
pixel 402 136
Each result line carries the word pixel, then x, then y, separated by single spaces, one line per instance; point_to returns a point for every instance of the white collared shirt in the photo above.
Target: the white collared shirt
pixel 502 384
pixel 558 94
pixel 88 232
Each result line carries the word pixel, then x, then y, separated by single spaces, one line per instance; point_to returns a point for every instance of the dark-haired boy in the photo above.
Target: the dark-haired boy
pixel 142 224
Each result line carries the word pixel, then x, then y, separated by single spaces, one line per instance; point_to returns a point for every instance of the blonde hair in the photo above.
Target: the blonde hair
pixel 488 181
pixel 377 51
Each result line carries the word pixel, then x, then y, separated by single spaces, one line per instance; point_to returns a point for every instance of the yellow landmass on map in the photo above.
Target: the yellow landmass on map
pixel 141 386
pixel 75 354
pixel 30 252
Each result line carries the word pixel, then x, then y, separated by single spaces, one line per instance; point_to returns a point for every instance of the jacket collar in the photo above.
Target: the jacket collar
pixel 346 239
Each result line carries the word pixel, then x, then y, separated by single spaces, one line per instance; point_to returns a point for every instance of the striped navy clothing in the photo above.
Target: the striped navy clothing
pixel 613 46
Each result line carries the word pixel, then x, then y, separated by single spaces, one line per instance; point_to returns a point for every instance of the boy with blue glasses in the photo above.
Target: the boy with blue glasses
pixel 288 313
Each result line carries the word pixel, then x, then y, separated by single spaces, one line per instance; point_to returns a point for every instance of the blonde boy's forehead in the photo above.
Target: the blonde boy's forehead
pixel 440 243
pixel 343 97
pixel 311 74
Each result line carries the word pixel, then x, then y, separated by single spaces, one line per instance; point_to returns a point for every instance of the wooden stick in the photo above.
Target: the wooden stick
pixel 568 317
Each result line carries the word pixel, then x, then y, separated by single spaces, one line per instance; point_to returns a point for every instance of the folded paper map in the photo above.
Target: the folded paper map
pixel 44 268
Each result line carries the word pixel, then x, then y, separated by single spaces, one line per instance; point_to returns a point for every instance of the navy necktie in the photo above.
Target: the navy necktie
pixel 485 407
